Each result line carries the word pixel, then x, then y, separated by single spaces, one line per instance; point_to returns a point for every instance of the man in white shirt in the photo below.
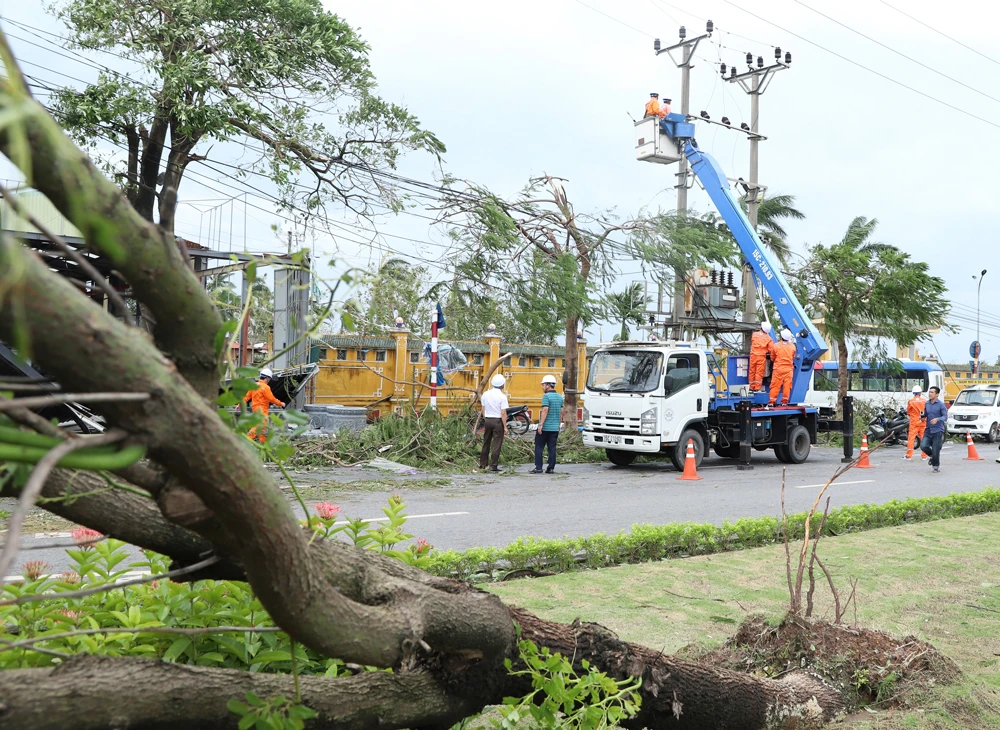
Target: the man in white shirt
pixel 495 417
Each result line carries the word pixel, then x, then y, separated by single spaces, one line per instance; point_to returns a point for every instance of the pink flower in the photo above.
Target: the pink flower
pixel 70 576
pixel 84 536
pixel 326 510
pixel 423 546
pixel 35 569
pixel 72 615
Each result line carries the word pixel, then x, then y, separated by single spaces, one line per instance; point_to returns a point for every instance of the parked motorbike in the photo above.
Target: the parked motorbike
pixel 517 421
pixel 888 427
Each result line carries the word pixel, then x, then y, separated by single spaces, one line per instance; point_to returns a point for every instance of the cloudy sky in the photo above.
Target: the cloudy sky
pixel 902 126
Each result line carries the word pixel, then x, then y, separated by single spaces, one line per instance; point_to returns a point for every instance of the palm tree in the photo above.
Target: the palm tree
pixel 771 212
pixel 628 306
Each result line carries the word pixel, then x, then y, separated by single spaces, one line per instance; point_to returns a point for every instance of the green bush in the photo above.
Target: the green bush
pixel 645 542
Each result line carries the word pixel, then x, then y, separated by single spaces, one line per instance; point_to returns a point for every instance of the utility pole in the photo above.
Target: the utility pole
pixel 687 47
pixel 754 82
pixel 289 242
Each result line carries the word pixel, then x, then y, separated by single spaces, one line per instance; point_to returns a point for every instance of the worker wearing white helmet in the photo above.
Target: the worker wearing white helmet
pixel 915 412
pixel 261 399
pixel 549 421
pixel 761 345
pixel 495 407
pixel 784 367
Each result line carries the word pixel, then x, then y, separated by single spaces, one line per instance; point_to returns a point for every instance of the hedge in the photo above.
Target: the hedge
pixel 646 542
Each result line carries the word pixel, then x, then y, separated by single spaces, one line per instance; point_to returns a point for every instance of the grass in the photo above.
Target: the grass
pixel 914 580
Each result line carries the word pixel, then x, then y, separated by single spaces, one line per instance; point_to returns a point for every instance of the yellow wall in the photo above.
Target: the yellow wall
pixel 396 381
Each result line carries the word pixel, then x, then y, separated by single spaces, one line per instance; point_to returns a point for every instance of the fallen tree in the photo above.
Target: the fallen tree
pixel 445 641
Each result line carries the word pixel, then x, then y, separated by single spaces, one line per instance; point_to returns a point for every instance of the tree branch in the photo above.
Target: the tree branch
pixel 33 488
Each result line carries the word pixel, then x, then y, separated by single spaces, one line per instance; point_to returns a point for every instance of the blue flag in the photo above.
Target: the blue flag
pixel 440 313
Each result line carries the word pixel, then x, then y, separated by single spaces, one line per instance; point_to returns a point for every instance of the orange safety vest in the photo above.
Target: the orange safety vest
pixel 784 358
pixel 761 344
pixel 915 409
pixel 652 107
pixel 262 398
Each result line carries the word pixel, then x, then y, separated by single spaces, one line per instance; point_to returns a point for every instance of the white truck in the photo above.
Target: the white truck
pixel 976 410
pixel 655 397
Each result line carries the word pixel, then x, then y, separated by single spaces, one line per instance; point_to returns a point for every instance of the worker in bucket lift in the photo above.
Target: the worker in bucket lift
pixel 664 108
pixel 761 345
pixel 653 105
pixel 784 366
pixel 261 399
pixel 915 410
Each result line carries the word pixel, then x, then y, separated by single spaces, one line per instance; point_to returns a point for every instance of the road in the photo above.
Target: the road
pixel 581 499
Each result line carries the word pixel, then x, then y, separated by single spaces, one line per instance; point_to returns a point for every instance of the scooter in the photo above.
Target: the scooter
pixel 517 421
pixel 890 429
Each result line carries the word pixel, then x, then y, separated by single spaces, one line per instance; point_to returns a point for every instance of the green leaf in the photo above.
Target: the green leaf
pixel 236 707
pixel 176 649
pixel 228 327
pixel 276 655
pixel 247 721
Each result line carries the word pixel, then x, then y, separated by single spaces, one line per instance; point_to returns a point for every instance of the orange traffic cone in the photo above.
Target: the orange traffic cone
pixel 863 461
pixel 973 454
pixel 690 472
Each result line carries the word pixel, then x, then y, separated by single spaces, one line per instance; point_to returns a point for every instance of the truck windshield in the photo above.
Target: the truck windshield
pixel 976 398
pixel 625 371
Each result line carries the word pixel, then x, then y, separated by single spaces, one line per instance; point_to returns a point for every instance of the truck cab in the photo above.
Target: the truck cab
pixel 647 398
pixel 976 410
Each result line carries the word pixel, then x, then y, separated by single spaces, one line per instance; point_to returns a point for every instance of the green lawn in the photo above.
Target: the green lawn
pixel 939 581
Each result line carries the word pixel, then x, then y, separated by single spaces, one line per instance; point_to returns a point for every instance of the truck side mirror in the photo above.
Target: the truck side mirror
pixel 668 383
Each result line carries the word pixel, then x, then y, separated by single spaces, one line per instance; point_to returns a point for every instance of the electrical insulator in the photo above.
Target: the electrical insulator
pixel 732 72
pixel 725 120
pixel 704 114
pixel 723 69
pixel 715 276
pixel 744 126
pixel 683 32
pixel 749 59
pixel 709 26
pixel 656 44
pixel 788 58
pixel 777 53
pixel 730 279
pixel 760 62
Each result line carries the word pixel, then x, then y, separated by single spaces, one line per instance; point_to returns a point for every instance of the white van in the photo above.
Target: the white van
pixel 976 411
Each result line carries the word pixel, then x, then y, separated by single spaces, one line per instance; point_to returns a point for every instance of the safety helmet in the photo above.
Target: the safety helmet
pixel 549 380
pixel 667 100
pixel 654 95
pixel 498 381
pixel 266 373
pixel 766 327
pixel 917 390
pixel 786 335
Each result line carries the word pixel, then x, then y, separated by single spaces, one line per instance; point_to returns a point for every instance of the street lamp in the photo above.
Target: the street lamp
pixel 979 287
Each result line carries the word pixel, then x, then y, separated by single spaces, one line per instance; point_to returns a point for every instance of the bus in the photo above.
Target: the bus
pixel 882 385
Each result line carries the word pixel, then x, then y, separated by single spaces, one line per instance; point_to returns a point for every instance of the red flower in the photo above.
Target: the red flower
pixel 70 576
pixel 72 615
pixel 35 569
pixel 84 536
pixel 423 546
pixel 326 510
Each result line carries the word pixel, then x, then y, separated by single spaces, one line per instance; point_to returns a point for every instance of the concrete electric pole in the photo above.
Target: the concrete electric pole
pixel 754 82
pixel 686 47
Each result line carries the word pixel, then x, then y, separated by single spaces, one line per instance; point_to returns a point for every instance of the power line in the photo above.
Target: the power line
pixel 611 17
pixel 898 53
pixel 939 32
pixel 865 68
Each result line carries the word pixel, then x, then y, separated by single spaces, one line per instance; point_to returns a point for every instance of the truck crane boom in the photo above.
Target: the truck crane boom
pixel 809 342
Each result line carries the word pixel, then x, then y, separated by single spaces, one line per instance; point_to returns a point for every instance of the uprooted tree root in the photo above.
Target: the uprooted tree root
pixel 871 667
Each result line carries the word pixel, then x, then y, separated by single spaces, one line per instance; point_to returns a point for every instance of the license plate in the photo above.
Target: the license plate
pixel 612 439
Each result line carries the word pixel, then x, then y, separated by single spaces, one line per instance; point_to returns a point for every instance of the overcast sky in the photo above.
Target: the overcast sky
pixel 518 88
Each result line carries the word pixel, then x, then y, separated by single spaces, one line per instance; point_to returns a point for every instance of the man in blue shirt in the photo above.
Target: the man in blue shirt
pixel 549 420
pixel 936 415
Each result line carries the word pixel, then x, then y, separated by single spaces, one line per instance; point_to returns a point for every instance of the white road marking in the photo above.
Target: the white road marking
pixel 47 535
pixel 409 517
pixel 816 486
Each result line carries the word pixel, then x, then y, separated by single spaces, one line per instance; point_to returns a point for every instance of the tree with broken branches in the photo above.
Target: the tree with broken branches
pixel 204 499
pixel 557 262
pixel 266 75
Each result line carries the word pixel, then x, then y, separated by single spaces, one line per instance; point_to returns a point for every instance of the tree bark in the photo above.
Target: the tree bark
pixel 571 397
pixel 149 165
pixel 842 374
pixel 177 160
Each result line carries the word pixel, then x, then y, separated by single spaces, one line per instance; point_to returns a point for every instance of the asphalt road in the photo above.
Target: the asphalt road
pixel 488 509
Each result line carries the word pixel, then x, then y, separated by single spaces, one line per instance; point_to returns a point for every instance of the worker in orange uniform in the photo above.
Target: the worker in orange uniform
pixel 261 399
pixel 761 345
pixel 653 105
pixel 784 366
pixel 664 108
pixel 915 410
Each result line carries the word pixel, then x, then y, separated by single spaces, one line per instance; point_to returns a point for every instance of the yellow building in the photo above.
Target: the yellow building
pixel 388 372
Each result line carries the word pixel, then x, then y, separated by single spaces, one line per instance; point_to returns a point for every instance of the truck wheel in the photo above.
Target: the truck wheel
pixel 799 445
pixel 781 451
pixel 728 452
pixel 679 452
pixel 619 457
pixel 993 435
